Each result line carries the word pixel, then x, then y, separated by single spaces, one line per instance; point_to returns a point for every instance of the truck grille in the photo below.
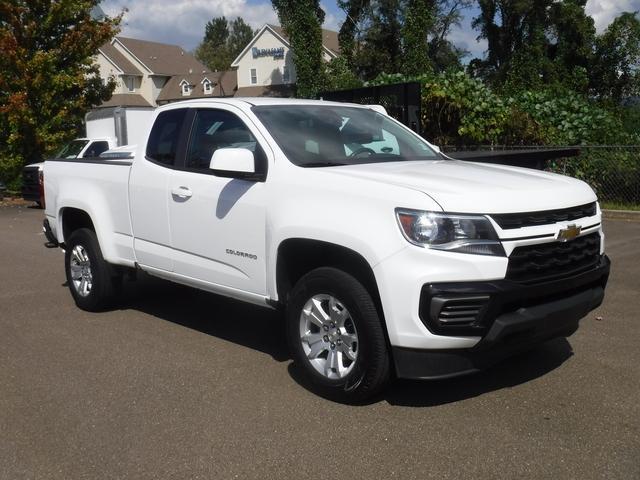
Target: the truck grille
pixel 519 220
pixel 549 261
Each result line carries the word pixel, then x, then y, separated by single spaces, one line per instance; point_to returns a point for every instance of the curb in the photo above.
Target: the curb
pixel 628 215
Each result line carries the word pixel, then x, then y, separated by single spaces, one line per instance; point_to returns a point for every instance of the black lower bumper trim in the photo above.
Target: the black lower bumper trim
pixel 510 333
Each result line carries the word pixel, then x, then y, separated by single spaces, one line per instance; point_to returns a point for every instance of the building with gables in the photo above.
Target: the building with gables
pixel 265 67
pixel 149 74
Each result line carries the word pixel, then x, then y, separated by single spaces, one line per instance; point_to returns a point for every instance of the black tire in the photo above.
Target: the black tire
pixel 371 369
pixel 104 282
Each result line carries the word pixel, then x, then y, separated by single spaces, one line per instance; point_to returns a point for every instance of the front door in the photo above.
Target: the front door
pixel 218 224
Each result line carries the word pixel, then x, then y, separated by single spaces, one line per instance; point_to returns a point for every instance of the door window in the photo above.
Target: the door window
pixel 214 129
pixel 165 135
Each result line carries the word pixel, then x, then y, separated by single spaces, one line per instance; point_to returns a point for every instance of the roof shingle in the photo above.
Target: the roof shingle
pixel 161 58
pixel 119 59
pixel 224 85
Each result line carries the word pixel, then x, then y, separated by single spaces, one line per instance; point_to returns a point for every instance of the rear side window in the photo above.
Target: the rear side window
pixel 165 134
pixel 96 148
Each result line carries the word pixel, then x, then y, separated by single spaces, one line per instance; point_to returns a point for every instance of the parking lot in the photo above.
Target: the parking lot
pixel 177 383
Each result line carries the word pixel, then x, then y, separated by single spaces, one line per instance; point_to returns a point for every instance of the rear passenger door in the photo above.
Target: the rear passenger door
pixel 149 194
pixel 218 224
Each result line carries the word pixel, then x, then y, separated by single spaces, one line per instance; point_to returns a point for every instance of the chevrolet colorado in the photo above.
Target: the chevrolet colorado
pixel 389 258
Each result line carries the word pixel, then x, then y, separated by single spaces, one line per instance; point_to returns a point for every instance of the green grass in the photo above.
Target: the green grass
pixel 619 206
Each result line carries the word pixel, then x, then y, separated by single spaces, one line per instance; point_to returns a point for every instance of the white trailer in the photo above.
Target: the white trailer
pixel 126 124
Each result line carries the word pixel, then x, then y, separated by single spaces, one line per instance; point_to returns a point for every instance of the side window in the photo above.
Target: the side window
pixel 165 134
pixel 214 129
pixel 96 148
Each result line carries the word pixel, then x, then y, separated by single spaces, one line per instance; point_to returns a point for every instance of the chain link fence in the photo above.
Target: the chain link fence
pixel 613 171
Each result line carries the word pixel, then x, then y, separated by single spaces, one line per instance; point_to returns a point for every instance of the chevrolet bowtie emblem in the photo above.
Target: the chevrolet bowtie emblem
pixel 569 233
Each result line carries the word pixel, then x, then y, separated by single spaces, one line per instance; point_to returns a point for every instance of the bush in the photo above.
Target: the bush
pixel 460 110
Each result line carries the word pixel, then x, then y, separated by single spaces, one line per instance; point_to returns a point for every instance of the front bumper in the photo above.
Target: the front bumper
pixel 517 318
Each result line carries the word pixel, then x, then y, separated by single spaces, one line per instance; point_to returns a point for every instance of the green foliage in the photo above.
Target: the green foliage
pixel 339 76
pixel 48 80
pixel 535 44
pixel 553 44
pixel 615 74
pixel 302 20
pixel 417 23
pixel 572 119
pixel 223 42
pixel 408 36
pixel 613 172
pixel 380 40
pixel 460 110
pixel 355 11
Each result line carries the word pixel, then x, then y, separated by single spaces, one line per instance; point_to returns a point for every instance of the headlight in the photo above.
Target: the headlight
pixel 457 233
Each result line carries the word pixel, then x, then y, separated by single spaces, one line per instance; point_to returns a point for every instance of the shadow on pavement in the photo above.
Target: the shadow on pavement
pixel 251 326
pixel 263 330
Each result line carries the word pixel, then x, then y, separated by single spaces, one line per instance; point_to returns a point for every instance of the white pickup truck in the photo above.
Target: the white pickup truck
pixel 389 258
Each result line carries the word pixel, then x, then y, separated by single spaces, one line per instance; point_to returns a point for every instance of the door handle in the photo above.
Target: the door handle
pixel 181 192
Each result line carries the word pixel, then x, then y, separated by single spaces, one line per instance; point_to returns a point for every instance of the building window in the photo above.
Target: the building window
pixel 286 76
pixel 185 88
pixel 208 87
pixel 254 76
pixel 130 82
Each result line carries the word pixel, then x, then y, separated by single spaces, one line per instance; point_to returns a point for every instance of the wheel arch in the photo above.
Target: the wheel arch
pixel 298 256
pixel 72 219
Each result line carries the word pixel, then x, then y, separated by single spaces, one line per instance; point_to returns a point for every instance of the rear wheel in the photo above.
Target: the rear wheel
pixel 91 279
pixel 336 336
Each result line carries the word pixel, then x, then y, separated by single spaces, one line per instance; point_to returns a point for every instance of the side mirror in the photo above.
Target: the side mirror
pixel 233 163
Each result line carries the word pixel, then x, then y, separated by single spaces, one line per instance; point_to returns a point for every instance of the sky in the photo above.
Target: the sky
pixel 182 22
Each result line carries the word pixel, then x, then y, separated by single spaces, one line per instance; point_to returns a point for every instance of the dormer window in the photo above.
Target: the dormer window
pixel 185 87
pixel 207 86
pixel 130 83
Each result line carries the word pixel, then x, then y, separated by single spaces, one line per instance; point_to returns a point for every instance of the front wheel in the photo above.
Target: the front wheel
pixel 336 336
pixel 90 278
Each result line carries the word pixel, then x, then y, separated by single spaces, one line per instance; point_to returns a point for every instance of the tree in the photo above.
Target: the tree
pixel 615 74
pixel 213 50
pixel 572 43
pixel 301 21
pixel 380 44
pixel 400 35
pixel 240 34
pixel 443 54
pixel 535 43
pixel 223 42
pixel 417 24
pixel 354 12
pixel 515 34
pixel 48 79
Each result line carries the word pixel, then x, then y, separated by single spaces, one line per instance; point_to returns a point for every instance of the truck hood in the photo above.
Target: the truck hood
pixel 467 187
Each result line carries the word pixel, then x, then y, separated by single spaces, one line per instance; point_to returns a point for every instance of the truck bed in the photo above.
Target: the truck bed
pixel 100 188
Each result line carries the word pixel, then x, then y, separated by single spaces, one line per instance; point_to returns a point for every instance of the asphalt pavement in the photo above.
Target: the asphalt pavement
pixel 177 383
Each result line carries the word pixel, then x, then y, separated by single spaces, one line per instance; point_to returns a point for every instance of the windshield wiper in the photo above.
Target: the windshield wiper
pixel 322 164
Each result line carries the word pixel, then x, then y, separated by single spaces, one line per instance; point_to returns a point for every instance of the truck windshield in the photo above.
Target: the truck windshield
pixel 72 149
pixel 318 135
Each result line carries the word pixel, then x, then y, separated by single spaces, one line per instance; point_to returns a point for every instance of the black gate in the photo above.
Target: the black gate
pixel 401 100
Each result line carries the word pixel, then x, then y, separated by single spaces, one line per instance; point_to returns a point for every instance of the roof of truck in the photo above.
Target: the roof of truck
pixel 258 101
